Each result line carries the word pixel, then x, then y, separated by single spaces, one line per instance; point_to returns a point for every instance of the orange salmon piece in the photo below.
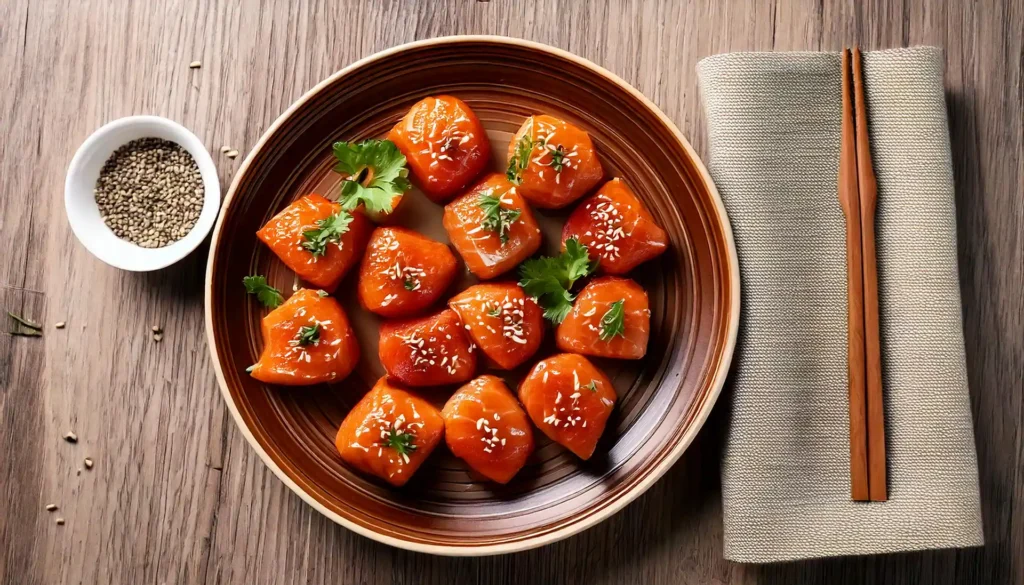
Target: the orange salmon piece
pixel 569 400
pixel 494 243
pixel 283 234
pixel 444 143
pixel 389 433
pixel 616 227
pixel 507 325
pixel 586 331
pixel 428 351
pixel 561 164
pixel 485 427
pixel 403 272
pixel 307 340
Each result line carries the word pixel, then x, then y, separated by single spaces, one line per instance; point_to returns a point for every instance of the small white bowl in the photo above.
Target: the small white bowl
pixel 84 214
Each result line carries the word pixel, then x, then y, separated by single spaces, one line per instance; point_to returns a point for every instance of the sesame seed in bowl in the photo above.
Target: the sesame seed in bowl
pixel 150 192
pixel 141 193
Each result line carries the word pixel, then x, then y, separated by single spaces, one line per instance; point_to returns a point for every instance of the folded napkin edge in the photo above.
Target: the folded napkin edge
pixel 808 54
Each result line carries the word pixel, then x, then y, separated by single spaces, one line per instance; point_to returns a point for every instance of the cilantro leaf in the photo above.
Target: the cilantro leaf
pixel 497 219
pixel 578 262
pixel 550 279
pixel 592 386
pixel 266 294
pixel 328 229
pixel 613 321
pixel 375 172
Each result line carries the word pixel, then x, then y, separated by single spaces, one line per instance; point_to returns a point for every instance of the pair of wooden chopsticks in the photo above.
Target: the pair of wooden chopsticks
pixel 858 194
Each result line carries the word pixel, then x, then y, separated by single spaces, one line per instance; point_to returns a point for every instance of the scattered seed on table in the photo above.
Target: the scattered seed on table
pixel 150 192
pixel 60 325
pixel 88 462
pixel 225 149
pixel 231 153
pixel 71 437
pixel 51 507
pixel 158 336
pixel 60 522
pixel 195 65
pixel 156 329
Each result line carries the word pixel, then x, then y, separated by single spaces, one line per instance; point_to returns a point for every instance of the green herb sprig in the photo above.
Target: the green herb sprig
pixel 497 219
pixel 308 335
pixel 402 443
pixel 550 279
pixel 613 322
pixel 557 161
pixel 328 230
pixel 25 327
pixel 266 294
pixel 375 172
pixel 520 159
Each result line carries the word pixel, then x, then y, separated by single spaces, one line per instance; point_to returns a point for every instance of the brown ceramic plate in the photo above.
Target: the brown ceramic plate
pixel 663 399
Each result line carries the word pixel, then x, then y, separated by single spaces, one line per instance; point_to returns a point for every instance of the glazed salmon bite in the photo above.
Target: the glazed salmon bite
pixel 389 433
pixel 552 162
pixel 403 272
pixel 507 325
pixel 610 318
pixel 320 261
pixel 615 226
pixel 306 340
pixel 485 427
pixel 444 143
pixel 491 227
pixel 569 400
pixel 428 351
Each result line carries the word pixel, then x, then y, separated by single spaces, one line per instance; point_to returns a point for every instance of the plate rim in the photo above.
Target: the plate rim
pixel 718 379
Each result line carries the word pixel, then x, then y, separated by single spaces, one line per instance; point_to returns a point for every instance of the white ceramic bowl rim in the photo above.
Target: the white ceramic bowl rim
pixel 84 215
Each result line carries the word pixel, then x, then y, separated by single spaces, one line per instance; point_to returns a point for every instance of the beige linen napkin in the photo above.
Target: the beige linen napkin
pixel 773 121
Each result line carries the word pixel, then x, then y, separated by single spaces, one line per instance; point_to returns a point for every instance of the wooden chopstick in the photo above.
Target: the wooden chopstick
pixel 868 189
pixel 849 199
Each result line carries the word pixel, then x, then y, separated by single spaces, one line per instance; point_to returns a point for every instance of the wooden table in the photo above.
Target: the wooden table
pixel 177 496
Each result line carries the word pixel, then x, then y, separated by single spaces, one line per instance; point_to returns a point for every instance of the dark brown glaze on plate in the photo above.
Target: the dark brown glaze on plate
pixel 663 399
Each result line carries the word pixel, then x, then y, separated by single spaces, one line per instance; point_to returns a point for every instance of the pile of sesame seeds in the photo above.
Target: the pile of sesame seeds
pixel 150 192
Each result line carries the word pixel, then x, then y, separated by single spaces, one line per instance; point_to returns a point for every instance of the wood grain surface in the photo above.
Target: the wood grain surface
pixel 177 496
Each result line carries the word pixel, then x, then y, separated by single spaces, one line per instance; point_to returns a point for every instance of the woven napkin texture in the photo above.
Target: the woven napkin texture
pixel 774 122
